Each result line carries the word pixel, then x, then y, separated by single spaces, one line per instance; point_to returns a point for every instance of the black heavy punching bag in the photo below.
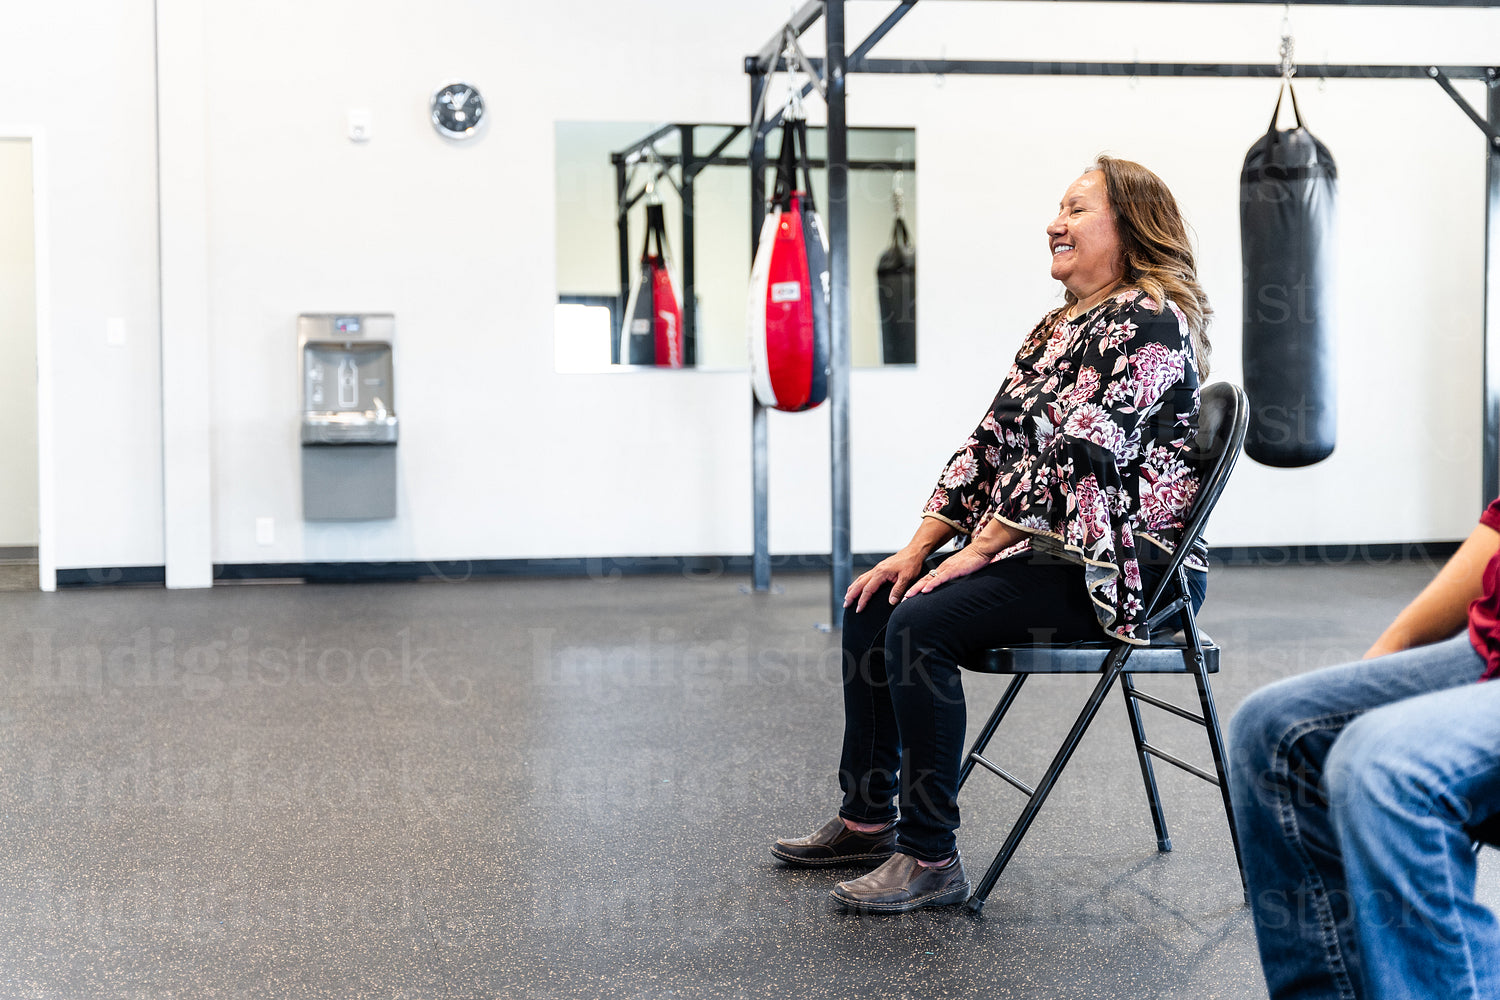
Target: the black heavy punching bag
pixel 896 284
pixel 1287 193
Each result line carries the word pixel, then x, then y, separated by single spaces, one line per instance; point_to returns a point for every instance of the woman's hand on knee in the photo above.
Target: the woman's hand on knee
pixel 966 560
pixel 898 570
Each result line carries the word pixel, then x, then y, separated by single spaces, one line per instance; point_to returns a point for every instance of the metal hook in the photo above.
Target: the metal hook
pixel 659 171
pixel 656 171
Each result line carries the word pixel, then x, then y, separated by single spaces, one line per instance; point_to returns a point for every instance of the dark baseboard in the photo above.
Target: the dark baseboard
pixel 703 567
pixel 455 570
pixel 112 576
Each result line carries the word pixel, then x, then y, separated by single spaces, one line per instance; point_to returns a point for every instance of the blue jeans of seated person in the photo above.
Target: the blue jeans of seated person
pixel 1355 790
pixel 904 712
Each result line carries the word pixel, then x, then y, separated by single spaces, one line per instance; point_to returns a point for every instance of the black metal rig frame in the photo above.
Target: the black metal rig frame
pixel 689 166
pixel 838 62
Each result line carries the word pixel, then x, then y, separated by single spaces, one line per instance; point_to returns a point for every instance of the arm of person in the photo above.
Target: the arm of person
pixel 953 508
pixel 1442 608
pixel 992 539
pixel 901 569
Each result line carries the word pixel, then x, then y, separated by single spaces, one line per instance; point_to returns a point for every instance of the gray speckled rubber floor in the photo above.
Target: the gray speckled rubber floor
pixel 548 789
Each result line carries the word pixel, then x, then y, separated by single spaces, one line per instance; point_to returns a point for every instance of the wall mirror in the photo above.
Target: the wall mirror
pixel 609 174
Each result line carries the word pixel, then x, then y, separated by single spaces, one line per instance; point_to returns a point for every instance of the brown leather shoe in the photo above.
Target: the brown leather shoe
pixel 901 884
pixel 836 844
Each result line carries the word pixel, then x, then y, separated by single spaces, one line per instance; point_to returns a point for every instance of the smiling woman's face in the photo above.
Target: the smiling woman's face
pixel 1085 244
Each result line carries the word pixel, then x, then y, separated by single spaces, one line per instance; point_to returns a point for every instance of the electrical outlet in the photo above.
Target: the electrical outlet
pixel 265 531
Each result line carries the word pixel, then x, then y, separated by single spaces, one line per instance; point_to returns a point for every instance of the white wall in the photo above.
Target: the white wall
pixel 503 458
pixel 82 79
pixel 18 487
pixel 500 457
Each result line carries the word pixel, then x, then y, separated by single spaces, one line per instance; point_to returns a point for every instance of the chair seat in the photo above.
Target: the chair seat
pixel 1163 656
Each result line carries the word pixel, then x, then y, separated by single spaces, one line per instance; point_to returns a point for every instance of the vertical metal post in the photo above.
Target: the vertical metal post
pixel 689 313
pixel 1491 439
pixel 838 307
pixel 759 419
pixel 623 225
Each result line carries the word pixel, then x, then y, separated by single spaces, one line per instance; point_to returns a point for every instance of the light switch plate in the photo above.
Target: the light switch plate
pixel 265 531
pixel 114 331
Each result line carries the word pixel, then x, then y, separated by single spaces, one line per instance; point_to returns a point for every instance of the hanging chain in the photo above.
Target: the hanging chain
pixel 1288 66
pixel 794 89
pixel 659 170
pixel 652 197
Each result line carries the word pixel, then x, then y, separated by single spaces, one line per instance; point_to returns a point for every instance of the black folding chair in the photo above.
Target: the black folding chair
pixel 1177 647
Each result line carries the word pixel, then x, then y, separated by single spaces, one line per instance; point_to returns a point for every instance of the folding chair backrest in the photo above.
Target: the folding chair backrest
pixel 1223 415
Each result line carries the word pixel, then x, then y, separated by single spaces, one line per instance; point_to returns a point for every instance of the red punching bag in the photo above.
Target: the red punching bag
pixel 653 327
pixel 788 308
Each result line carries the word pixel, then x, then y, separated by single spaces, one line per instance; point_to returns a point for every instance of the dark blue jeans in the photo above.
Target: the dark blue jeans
pixel 904 713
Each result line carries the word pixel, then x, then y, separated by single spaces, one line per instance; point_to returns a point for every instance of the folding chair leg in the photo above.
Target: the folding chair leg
pixel 1216 745
pixel 1044 787
pixel 993 723
pixel 1148 773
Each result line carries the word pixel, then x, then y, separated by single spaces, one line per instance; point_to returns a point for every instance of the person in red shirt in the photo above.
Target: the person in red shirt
pixel 1360 790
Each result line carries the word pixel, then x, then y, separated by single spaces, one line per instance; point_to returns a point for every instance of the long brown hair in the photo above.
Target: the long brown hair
pixel 1158 256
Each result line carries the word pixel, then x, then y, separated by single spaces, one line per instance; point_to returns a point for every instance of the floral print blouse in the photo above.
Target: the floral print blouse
pixel 1082 449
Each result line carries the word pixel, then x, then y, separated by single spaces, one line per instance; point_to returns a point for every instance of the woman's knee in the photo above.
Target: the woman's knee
pixel 863 629
pixel 917 655
pixel 910 634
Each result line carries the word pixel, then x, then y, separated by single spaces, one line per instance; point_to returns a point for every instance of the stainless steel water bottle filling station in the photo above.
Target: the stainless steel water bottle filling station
pixel 349 427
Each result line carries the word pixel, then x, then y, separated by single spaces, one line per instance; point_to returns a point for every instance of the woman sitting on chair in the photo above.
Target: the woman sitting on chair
pixel 1070 494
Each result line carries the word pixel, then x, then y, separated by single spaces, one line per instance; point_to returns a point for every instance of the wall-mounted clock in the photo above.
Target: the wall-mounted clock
pixel 457 110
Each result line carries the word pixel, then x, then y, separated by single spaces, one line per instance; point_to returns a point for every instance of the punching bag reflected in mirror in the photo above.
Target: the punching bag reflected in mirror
pixel 1288 190
pixel 608 173
pixel 652 332
pixel 896 284
pixel 896 287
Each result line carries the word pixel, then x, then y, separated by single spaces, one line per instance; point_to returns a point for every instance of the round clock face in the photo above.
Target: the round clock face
pixel 457 110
